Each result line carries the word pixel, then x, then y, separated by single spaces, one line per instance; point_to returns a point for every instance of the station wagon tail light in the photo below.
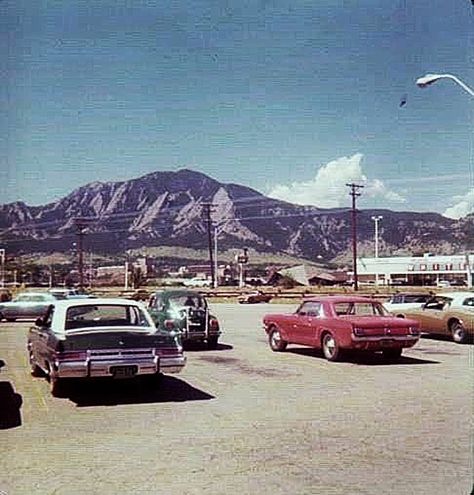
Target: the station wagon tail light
pixel 169 324
pixel 72 356
pixel 413 331
pixel 359 332
pixel 214 324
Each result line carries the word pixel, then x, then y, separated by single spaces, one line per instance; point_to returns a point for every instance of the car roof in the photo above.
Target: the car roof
pixel 456 296
pixel 177 292
pixel 340 299
pixel 411 294
pixel 28 293
pixel 99 301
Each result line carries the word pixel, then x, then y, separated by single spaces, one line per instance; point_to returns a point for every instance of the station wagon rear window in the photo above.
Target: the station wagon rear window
pixel 189 301
pixel 109 315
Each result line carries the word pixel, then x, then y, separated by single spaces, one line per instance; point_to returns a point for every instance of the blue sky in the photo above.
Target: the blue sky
pixel 293 98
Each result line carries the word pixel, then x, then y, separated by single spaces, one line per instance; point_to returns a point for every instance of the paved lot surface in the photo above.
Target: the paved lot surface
pixel 243 419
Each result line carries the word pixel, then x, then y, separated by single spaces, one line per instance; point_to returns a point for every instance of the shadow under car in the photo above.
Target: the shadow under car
pixel 142 390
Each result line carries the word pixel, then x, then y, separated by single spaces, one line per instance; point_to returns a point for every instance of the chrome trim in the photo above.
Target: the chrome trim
pixel 382 338
pixel 173 364
pixel 99 366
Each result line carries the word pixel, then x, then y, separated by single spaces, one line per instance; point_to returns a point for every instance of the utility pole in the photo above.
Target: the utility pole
pixel 207 207
pixel 376 220
pixel 2 273
pixel 81 224
pixel 354 194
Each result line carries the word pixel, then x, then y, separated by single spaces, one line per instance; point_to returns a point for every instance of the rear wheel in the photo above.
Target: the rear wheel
pixel 212 342
pixel 275 340
pixel 35 370
pixel 458 332
pixel 331 349
pixel 392 354
pixel 56 384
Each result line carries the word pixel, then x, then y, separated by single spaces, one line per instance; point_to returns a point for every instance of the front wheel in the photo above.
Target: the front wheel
pixel 275 340
pixel 331 349
pixel 458 332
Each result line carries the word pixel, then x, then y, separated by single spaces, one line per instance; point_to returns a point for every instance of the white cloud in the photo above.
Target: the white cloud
pixel 463 205
pixel 328 188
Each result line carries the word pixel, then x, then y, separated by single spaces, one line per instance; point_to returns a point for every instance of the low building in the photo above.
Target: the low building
pixel 308 275
pixel 418 270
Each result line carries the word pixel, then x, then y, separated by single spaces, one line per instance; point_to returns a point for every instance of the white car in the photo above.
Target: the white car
pixel 197 282
pixel 406 300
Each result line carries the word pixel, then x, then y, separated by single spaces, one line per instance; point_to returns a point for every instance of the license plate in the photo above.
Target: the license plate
pixel 123 371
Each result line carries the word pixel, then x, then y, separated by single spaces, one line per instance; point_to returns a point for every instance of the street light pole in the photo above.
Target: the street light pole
pixel 2 273
pixel 425 81
pixel 376 220
pixel 428 79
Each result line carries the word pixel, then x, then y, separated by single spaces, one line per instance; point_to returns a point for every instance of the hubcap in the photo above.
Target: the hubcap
pixel 329 345
pixel 458 332
pixel 276 339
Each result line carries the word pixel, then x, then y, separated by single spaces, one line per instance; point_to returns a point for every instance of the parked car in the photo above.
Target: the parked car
pixel 26 305
pixel 448 313
pixel 114 338
pixel 5 295
pixel 406 300
pixel 339 323
pixel 185 311
pixel 197 282
pixel 256 296
pixel 63 293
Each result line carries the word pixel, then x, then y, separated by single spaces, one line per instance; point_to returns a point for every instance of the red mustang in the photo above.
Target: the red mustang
pixel 338 323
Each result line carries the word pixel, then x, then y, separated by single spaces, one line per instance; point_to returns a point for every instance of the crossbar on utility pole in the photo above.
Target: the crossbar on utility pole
pixel 354 194
pixel 207 207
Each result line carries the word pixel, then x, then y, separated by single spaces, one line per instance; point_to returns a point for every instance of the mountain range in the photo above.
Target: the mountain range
pixel 170 209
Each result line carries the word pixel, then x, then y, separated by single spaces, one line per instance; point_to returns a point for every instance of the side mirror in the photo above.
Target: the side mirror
pixel 2 363
pixel 39 322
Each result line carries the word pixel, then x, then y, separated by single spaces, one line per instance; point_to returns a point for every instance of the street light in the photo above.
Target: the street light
pixel 428 79
pixel 424 81
pixel 376 220
pixel 2 269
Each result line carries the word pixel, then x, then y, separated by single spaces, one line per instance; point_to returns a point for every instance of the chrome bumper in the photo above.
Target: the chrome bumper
pixel 172 364
pixel 104 368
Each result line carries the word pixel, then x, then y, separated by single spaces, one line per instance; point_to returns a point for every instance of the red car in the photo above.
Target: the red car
pixel 339 323
pixel 254 297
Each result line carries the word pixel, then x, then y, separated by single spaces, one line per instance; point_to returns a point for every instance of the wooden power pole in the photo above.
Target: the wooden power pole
pixel 354 194
pixel 208 207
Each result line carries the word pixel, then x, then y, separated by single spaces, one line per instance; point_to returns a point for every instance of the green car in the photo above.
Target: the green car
pixel 185 311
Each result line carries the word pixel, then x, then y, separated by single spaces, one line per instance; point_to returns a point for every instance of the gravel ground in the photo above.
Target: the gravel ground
pixel 242 419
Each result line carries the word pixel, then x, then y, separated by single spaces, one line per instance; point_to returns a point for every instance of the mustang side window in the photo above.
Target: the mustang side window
pixel 314 309
pixel 468 302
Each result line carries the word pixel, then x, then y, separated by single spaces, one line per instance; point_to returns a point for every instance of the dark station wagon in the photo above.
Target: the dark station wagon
pixel 187 312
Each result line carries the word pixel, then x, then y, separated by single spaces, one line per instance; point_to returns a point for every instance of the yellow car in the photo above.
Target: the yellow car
pixel 448 313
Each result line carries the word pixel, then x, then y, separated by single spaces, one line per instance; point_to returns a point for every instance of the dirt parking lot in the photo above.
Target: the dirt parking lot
pixel 242 419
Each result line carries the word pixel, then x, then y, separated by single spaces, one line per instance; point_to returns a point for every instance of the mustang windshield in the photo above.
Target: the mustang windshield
pixel 359 309
pixel 107 315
